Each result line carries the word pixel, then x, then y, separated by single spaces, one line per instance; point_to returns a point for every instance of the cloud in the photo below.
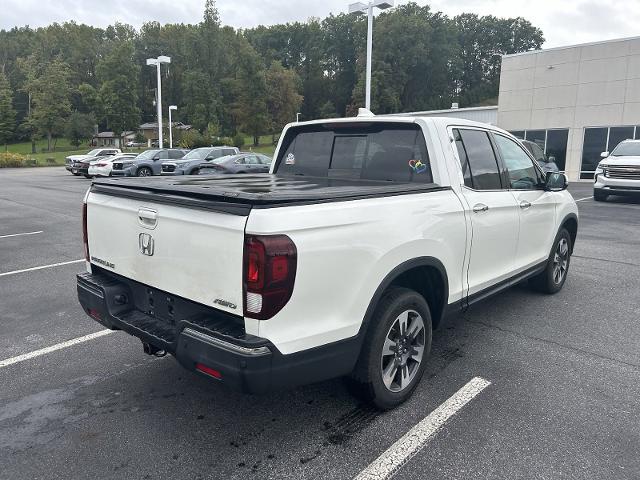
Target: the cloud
pixel 563 23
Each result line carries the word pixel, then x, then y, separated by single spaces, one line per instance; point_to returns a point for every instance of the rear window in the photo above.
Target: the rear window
pixel 372 151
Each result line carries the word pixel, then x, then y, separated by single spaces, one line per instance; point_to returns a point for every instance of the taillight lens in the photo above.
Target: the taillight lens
pixel 85 237
pixel 269 274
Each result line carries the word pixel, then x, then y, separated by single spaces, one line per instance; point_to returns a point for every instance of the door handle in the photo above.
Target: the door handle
pixel 480 207
pixel 524 204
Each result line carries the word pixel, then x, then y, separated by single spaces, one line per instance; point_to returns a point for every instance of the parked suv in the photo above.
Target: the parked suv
pixel 147 163
pixel 72 161
pixel 618 173
pixel 188 165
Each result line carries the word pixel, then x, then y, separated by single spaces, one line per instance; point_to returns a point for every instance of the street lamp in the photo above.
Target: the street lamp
pixel 171 107
pixel 157 62
pixel 367 8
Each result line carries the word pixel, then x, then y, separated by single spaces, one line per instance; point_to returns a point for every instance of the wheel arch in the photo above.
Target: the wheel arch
pixel 425 275
pixel 570 222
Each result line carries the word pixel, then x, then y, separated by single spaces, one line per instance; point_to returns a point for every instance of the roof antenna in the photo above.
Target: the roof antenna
pixel 364 112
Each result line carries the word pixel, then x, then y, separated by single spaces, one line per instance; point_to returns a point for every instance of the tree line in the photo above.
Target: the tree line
pixel 62 79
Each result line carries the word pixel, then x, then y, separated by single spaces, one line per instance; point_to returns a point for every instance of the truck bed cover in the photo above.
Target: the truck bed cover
pixel 237 194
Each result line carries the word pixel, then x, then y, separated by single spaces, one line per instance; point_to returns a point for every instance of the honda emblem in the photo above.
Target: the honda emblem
pixel 145 241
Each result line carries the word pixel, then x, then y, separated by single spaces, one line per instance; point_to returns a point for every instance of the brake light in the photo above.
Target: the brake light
pixel 269 274
pixel 101 164
pixel 85 238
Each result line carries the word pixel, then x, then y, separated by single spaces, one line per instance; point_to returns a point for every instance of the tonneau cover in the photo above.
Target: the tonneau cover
pixel 254 190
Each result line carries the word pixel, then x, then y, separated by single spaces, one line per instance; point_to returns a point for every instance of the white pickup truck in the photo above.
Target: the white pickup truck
pixel 366 234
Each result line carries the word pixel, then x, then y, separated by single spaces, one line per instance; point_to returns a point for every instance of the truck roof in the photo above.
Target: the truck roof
pixel 444 121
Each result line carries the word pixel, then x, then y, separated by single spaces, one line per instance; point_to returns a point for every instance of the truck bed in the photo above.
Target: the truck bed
pixel 237 194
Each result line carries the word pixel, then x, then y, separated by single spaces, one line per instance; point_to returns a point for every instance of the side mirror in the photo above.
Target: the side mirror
pixel 551 159
pixel 556 182
pixel 604 154
pixel 157 157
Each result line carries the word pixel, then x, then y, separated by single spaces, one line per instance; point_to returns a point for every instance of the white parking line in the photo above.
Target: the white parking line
pixel 585 198
pixel 388 464
pixel 20 234
pixel 53 348
pixel 40 267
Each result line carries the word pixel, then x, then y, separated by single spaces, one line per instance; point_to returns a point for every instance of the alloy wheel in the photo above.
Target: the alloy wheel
pixel 402 351
pixel 560 261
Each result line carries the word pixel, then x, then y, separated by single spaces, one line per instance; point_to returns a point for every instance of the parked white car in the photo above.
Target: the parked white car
pixel 367 233
pixel 102 166
pixel 619 171
pixel 71 160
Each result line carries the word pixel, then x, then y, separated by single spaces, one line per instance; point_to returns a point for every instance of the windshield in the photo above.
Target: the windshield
pixel 149 154
pixel 94 152
pixel 626 149
pixel 197 154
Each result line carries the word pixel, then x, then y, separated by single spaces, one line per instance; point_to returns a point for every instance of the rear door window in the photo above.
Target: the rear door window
pixel 381 151
pixel 479 159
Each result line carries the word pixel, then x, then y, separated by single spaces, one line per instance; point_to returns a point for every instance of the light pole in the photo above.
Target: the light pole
pixel 298 117
pixel 157 62
pixel 171 107
pixel 367 8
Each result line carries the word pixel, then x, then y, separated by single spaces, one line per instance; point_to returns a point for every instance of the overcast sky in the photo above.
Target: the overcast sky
pixel 564 22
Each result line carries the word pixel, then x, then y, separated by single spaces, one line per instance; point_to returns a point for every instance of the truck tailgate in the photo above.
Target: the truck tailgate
pixel 189 252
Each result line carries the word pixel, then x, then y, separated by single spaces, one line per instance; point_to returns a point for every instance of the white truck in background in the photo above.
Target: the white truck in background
pixel 366 234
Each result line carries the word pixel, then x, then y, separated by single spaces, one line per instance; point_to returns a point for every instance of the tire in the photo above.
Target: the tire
pixel 368 380
pixel 144 172
pixel 552 278
pixel 195 171
pixel 599 196
pixel 88 176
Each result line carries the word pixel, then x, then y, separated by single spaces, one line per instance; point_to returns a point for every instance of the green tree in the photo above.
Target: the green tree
pixel 79 127
pixel 117 96
pixel 250 108
pixel 7 112
pixel 283 99
pixel 50 90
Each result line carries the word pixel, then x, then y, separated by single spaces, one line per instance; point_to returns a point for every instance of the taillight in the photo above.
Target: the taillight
pixel 269 274
pixel 85 237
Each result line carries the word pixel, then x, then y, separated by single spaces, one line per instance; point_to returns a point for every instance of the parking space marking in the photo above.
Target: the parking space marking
pixel 585 198
pixel 5 274
pixel 20 234
pixel 390 462
pixel 53 348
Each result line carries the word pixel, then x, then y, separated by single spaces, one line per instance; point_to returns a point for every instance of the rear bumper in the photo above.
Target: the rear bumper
pixel 202 335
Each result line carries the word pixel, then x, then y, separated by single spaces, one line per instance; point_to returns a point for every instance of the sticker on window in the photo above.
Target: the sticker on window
pixel 290 160
pixel 417 166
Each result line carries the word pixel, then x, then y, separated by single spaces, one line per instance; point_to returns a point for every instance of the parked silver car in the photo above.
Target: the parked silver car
pixel 189 164
pixel 241 163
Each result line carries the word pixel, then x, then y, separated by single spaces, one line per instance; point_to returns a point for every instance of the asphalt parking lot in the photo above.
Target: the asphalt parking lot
pixel 564 373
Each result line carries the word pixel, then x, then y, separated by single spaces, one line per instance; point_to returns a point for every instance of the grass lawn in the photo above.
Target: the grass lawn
pixel 266 147
pixel 64 149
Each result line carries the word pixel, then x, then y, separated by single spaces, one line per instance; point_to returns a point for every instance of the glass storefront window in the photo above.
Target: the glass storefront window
pixel 536 136
pixel 618 134
pixel 595 142
pixel 557 146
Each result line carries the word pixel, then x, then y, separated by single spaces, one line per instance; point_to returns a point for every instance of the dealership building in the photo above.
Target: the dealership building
pixel 575 102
